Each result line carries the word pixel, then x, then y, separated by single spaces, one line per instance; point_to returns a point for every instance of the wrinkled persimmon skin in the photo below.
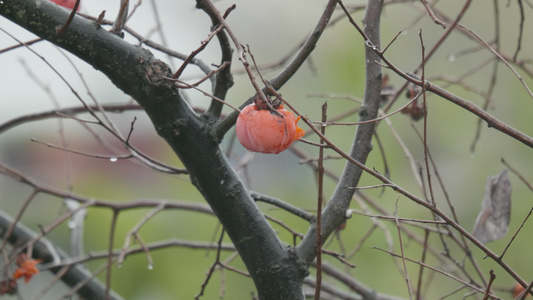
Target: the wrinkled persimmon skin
pixel 266 132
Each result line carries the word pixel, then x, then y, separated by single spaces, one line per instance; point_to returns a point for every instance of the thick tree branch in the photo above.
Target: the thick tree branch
pixel 93 289
pixel 334 212
pixel 275 270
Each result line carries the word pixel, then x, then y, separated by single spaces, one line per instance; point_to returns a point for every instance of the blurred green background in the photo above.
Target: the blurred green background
pixel 273 29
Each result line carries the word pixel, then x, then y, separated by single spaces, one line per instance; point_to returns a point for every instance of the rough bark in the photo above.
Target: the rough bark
pixel 276 271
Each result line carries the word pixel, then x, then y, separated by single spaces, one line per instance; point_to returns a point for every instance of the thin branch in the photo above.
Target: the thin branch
pixel 69 114
pixel 432 14
pixel 212 268
pixel 294 233
pixel 320 206
pixel 284 205
pixel 377 119
pixel 131 129
pixel 224 79
pixel 111 157
pixel 13 225
pixel 500 57
pixel 495 68
pixel 516 233
pixel 421 269
pixel 467 284
pixel 83 281
pixel 284 76
pixel 514 171
pixel 263 101
pixel 191 56
pixel 21 44
pixel 353 284
pixel 122 17
pixel 162 244
pixel 92 289
pixel 432 51
pixel 491 121
pixel 112 232
pixel 134 233
pixel 521 29
pixel 111 128
pixel 70 18
pixel 487 291
pixel 304 247
pixel 425 136
pixel 51 283
pixel 182 84
pixel 402 256
pixel 334 212
pixel 406 220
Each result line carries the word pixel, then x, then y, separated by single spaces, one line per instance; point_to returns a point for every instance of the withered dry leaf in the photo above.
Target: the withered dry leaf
pixel 493 219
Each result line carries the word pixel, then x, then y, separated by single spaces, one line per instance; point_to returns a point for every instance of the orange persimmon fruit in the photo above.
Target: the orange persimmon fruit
pixel 260 130
pixel 66 3
pixel 26 267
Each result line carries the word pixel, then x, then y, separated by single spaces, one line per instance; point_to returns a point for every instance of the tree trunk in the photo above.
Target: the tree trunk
pixel 275 269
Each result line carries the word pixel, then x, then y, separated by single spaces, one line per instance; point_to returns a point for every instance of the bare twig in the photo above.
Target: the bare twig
pixel 432 14
pixel 487 291
pixel 205 93
pixel 421 270
pixel 500 57
pixel 471 286
pixel 516 233
pixel 112 231
pixel 134 233
pixel 91 288
pixel 320 206
pixel 514 171
pixel 521 29
pixel 70 18
pixel 212 268
pixel 425 137
pixel 495 68
pixel 283 205
pixel 203 44
pixel 22 44
pixel 278 81
pixel 263 101
pixel 21 211
pixel 121 18
pixel 131 129
pixel 405 272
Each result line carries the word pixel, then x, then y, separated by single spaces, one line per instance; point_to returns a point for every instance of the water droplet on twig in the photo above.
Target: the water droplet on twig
pixel 71 224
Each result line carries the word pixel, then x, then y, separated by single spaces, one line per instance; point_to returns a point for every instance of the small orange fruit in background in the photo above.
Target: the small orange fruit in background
pixel 267 132
pixel 518 289
pixel 26 267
